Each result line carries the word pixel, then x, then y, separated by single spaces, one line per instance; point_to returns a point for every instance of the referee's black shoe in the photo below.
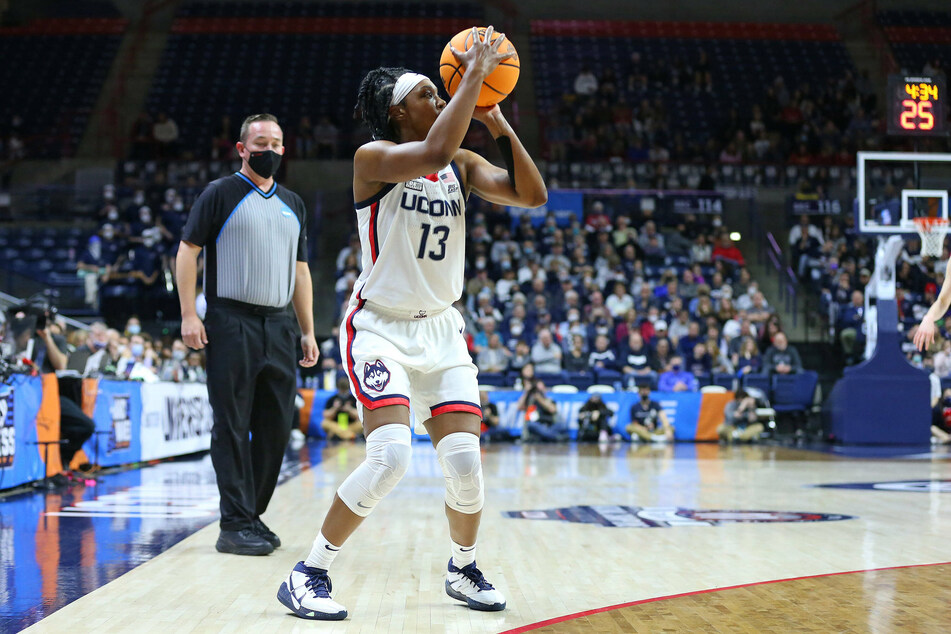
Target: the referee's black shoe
pixel 263 531
pixel 243 542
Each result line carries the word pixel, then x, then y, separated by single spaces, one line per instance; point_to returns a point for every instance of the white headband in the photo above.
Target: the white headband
pixel 404 85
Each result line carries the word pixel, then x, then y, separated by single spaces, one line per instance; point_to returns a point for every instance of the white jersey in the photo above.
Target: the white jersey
pixel 413 236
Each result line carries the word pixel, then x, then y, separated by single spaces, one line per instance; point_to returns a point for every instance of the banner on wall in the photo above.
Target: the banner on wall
pixel 118 418
pixel 564 205
pixel 176 419
pixel 20 456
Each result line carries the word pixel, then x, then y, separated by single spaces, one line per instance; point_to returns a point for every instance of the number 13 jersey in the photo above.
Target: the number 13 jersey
pixel 413 237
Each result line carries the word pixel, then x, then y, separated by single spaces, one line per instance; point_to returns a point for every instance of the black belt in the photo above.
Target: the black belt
pixel 252 309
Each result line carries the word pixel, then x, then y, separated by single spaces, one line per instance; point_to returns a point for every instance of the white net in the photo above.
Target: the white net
pixel 932 232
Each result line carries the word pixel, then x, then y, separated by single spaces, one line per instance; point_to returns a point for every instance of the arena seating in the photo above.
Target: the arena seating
pixel 71 54
pixel 292 59
pixel 918 37
pixel 743 58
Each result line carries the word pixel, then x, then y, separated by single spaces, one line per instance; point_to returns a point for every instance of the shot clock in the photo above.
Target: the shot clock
pixel 916 105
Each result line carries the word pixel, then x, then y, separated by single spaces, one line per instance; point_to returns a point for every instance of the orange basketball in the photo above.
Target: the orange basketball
pixel 496 86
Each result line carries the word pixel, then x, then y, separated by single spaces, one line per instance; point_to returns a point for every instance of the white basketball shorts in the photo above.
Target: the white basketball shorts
pixel 400 359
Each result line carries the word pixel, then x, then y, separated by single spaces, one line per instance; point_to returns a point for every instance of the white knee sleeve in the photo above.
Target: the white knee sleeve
pixel 389 449
pixel 461 464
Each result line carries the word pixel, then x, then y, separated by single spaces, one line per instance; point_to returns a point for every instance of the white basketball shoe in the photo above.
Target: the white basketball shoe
pixel 306 593
pixel 467 584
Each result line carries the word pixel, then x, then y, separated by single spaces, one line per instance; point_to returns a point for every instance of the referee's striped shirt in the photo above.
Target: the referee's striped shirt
pixel 252 240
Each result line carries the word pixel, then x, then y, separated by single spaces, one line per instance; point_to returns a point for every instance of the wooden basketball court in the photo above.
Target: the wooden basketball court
pixel 560 576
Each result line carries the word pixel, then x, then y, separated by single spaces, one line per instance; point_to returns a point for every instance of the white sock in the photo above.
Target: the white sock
pixel 462 556
pixel 322 554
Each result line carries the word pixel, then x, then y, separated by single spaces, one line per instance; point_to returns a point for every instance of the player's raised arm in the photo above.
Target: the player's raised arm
pixel 520 183
pixel 428 131
pixel 926 329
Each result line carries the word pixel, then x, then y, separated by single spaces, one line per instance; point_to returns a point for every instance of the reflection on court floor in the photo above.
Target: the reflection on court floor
pixel 731 517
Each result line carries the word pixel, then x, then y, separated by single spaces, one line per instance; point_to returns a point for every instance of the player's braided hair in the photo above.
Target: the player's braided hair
pixel 373 102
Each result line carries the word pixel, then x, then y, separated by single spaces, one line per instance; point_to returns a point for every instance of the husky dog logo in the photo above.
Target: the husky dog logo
pixel 376 376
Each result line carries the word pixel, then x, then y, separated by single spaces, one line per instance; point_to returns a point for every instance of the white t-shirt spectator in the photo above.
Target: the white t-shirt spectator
pixel 547 359
pixel 618 306
pixel 586 83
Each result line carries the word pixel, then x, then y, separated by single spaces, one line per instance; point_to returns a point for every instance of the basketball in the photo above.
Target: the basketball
pixel 496 86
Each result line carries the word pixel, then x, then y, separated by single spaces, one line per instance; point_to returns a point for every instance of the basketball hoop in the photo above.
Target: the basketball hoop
pixel 932 232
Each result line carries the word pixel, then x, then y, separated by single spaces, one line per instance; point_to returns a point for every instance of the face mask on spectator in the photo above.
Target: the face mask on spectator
pixel 145 215
pixel 178 205
pixel 675 367
pixel 516 329
pixel 178 355
pixel 137 349
pixel 149 242
pixel 108 234
pixel 99 345
pixel 480 263
pixel 113 215
pixel 139 198
pixel 134 329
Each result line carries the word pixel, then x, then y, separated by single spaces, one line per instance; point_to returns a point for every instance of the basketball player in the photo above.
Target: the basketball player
pixel 925 335
pixel 401 338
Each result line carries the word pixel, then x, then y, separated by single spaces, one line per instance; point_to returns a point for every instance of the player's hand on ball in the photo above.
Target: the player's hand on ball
pixel 311 352
pixel 925 335
pixel 483 56
pixel 487 113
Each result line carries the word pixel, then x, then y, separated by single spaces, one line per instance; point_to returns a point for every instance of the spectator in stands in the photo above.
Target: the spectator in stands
pixel 740 421
pixel 594 420
pixel 769 330
pixel 602 357
pixel 727 251
pixel 649 422
pixel 546 354
pixel 195 369
pixel 174 368
pixel 142 139
pixel 539 412
pixel 576 360
pixel 759 311
pixel 942 358
pixel 165 133
pixel 782 358
pixel 304 139
pixel 135 364
pixel 851 327
pixel 676 378
pixel 619 302
pixel 720 361
pixel 686 344
pixel 494 357
pixel 522 356
pixel 586 84
pixel 341 420
pixel 699 362
pixel 636 358
pixel 747 358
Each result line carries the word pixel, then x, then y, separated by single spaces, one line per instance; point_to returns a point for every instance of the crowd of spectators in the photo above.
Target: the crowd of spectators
pixel 610 114
pixel 622 298
pixel 129 257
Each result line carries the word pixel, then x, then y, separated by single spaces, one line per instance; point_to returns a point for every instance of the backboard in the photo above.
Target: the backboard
pixel 896 187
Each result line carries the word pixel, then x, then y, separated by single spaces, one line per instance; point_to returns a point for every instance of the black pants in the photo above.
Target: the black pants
pixel 74 427
pixel 251 357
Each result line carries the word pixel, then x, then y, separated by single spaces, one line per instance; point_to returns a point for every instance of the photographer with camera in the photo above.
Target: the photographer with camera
pixel 33 331
pixel 539 410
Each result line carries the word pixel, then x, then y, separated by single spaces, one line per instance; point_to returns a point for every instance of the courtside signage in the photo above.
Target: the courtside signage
pixel 668 516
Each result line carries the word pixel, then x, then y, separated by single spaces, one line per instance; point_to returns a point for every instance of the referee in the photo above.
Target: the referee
pixel 254 236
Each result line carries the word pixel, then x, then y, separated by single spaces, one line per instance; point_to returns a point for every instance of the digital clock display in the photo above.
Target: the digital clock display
pixel 916 105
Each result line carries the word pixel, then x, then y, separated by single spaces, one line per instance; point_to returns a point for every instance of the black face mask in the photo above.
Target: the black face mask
pixel 265 163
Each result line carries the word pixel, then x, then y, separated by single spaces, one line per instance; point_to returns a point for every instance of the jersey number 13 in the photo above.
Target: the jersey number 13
pixel 440 234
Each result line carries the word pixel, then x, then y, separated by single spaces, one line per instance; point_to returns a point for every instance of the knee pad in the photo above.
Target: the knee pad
pixel 389 449
pixel 461 464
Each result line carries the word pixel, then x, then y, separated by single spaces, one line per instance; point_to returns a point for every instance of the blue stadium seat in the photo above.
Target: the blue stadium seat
pixel 581 380
pixel 794 392
pixel 552 378
pixel 759 381
pixel 724 380
pixel 607 377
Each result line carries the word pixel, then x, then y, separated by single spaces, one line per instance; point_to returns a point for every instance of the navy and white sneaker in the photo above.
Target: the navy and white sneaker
pixel 306 593
pixel 467 584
